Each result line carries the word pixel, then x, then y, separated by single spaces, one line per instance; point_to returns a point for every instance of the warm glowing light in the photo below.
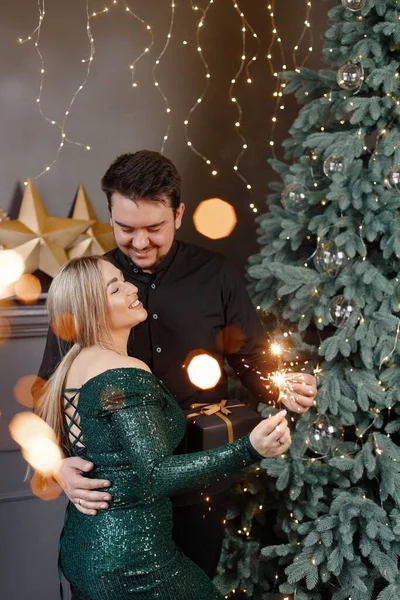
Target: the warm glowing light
pixel 11 266
pixel 279 378
pixel 25 426
pixel 200 28
pixel 215 218
pixel 44 487
pixel 28 288
pixel 6 291
pixel 37 440
pixel 204 371
pixel 22 390
pixel 42 454
pixel 276 348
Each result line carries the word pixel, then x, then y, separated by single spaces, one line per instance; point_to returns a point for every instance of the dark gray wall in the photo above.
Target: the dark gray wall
pixel 113 118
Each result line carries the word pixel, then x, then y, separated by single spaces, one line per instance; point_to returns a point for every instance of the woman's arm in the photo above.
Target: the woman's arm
pixel 142 430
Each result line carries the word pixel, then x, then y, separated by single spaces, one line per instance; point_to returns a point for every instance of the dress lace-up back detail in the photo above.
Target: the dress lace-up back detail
pixel 72 418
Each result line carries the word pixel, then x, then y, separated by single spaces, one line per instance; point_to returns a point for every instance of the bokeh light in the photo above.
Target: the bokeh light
pixel 22 390
pixel 64 327
pixel 42 454
pixel 204 371
pixel 215 218
pixel 6 291
pixel 230 339
pixel 28 288
pixel 26 425
pixel 37 441
pixel 11 266
pixel 45 488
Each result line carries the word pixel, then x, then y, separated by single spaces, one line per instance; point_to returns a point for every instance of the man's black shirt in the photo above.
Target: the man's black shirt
pixel 195 300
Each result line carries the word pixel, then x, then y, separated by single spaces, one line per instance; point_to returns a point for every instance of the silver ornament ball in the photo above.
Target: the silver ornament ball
pixel 341 310
pixel 392 179
pixel 323 435
pixel 350 76
pixel 332 165
pixel 354 5
pixel 330 259
pixel 294 197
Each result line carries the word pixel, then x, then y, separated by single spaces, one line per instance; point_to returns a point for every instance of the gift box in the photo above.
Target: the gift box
pixel 209 426
pixel 212 425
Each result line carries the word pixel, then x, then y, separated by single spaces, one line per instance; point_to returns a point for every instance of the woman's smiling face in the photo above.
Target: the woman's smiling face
pixel 123 305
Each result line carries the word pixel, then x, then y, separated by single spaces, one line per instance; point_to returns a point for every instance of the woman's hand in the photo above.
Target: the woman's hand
pixel 271 437
pixel 298 391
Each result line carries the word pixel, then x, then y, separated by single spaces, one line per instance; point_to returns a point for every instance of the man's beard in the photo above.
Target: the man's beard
pixel 154 265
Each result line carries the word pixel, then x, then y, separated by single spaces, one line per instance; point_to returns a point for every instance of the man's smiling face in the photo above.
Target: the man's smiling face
pixel 144 229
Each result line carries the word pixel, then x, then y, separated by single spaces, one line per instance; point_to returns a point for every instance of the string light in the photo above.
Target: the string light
pixel 378 450
pixel 278 93
pixel 307 29
pixel 146 49
pixel 244 65
pixel 273 64
pixel 35 35
pixel 386 358
pixel 190 144
pixel 156 83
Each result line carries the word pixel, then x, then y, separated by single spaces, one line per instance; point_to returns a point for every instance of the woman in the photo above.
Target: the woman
pixel 109 408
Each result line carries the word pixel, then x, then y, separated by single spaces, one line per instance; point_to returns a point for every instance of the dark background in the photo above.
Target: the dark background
pixel 112 117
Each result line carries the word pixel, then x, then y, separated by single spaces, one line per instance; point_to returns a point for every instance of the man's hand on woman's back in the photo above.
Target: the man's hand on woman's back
pixel 81 490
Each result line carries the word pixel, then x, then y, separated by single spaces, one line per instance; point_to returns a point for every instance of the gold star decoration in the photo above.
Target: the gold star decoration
pixel 99 238
pixel 41 240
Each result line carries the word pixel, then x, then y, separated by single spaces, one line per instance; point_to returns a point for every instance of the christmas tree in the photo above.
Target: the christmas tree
pixel 328 271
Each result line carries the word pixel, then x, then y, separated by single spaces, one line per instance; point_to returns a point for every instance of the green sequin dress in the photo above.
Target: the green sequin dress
pixel 129 427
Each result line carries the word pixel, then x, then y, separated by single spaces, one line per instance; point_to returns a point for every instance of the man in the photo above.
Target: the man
pixel 195 301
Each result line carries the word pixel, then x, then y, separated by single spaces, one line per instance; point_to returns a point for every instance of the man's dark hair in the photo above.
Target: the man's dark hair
pixel 143 175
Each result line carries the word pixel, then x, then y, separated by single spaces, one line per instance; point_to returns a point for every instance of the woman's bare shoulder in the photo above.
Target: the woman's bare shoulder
pixel 94 361
pixel 117 361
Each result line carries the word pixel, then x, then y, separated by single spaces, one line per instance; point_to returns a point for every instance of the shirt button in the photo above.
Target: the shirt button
pixel 155 316
pixel 159 350
pixel 153 286
pixel 136 270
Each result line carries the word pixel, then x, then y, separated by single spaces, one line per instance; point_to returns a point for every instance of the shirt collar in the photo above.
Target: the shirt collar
pixel 128 263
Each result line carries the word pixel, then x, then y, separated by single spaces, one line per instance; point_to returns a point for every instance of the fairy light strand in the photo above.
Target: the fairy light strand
pixel 307 29
pixel 61 126
pixel 244 65
pixel 274 69
pixel 155 81
pixel 386 358
pixel 278 93
pixel 190 144
pixel 146 49
pixel 256 54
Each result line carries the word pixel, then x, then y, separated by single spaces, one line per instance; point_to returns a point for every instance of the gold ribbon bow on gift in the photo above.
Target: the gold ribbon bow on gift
pixel 220 410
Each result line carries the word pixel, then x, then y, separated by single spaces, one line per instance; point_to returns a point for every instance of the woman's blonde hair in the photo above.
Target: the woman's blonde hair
pixel 76 305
